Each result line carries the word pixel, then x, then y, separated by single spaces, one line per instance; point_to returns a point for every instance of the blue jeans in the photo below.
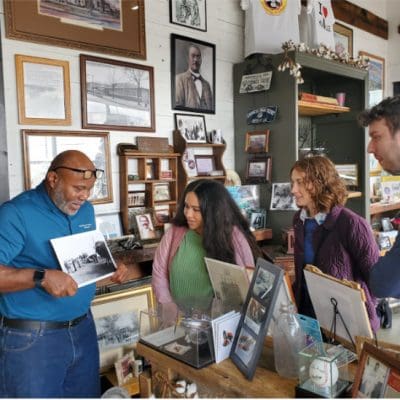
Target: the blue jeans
pixel 50 363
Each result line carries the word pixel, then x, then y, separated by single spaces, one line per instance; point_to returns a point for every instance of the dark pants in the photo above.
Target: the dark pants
pixel 44 363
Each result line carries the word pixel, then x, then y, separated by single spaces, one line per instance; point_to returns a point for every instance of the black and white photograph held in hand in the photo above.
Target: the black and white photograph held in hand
pixel 85 256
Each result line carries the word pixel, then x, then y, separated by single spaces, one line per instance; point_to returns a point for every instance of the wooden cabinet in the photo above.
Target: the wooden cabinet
pixel 299 124
pixel 147 180
pixel 189 152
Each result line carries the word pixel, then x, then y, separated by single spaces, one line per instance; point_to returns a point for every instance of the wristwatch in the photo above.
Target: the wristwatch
pixel 38 277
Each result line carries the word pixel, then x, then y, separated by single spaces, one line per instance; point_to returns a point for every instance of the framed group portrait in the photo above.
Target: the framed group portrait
pixel 118 28
pixel 192 75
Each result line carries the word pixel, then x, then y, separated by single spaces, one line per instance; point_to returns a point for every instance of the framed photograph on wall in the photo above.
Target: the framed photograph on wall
pixel 205 164
pixel 191 14
pixel 376 75
pixel 192 75
pixel 378 374
pixel 253 325
pixel 116 316
pixel 116 95
pixel 43 88
pixel 349 173
pixel 259 169
pixel 40 147
pixel 192 127
pixel 118 29
pixel 343 37
pixel 257 141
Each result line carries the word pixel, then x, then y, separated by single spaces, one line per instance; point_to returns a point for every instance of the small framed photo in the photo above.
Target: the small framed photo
pixel 166 174
pixel 205 164
pixel 145 226
pixel 162 215
pixel 254 321
pixel 349 173
pixel 258 219
pixel 192 127
pixel 386 224
pixel 282 198
pixel 161 192
pixel 137 199
pixel 109 225
pixel 259 169
pixel 378 374
pixel 191 14
pixel 257 141
pixel 150 169
pixel 124 368
pixel 384 242
pixel 376 77
pixel 43 87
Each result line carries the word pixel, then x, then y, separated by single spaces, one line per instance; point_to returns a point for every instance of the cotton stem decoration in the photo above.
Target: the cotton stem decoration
pixel 322 51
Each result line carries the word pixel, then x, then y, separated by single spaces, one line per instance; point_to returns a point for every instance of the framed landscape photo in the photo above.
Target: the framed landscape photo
pixel 40 148
pixel 192 75
pixel 256 316
pixel 191 14
pixel 116 316
pixel 378 374
pixel 116 95
pixel 43 88
pixel 257 141
pixel 343 37
pixel 192 127
pixel 376 77
pixel 204 164
pixel 118 28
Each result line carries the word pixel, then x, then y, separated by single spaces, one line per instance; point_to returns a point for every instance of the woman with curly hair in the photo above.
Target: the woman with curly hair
pixel 327 234
pixel 208 223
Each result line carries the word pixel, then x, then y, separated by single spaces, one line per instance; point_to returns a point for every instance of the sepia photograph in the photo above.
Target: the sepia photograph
pixel 192 75
pixel 254 315
pixel 257 141
pixel 145 226
pixel 85 256
pixel 116 95
pixel 245 346
pixel 259 169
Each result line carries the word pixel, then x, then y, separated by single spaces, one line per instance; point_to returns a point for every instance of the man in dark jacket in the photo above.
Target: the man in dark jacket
pixel 383 121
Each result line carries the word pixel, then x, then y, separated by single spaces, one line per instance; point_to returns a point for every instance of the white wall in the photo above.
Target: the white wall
pixel 225 30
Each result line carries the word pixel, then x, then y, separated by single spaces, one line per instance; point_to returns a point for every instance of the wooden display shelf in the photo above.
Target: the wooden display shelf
pixel 262 234
pixel 312 109
pixel 378 208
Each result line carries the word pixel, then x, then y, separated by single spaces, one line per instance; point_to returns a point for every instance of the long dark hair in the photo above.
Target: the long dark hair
pixel 220 214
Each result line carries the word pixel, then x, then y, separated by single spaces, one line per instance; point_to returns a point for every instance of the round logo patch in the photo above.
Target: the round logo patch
pixel 274 7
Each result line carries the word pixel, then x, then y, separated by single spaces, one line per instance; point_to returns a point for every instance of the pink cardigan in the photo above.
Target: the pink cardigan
pixel 167 250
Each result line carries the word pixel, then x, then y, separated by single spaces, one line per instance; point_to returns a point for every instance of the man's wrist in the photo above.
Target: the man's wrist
pixel 38 277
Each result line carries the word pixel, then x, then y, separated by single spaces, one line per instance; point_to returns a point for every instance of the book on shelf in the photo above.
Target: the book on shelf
pixel 314 98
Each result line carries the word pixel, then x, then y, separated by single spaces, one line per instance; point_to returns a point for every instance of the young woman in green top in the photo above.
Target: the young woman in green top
pixel 208 223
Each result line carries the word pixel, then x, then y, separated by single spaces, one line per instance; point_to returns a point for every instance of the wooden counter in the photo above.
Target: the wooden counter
pixel 223 379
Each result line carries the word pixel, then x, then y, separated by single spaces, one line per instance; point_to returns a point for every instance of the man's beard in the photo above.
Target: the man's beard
pixel 61 203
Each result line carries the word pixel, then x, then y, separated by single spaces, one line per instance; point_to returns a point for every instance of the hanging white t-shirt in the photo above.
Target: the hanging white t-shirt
pixel 316 24
pixel 269 23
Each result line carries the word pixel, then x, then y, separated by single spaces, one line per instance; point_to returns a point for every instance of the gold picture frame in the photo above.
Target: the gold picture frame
pixel 343 37
pixel 41 146
pixel 118 30
pixel 113 312
pixel 43 89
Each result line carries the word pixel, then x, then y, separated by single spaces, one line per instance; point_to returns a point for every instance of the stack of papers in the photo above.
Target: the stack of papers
pixel 224 329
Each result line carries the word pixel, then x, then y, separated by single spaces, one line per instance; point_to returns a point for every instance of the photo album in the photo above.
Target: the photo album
pixel 85 256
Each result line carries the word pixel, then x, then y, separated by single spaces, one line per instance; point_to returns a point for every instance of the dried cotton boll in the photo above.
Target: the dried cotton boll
pixel 180 386
pixel 191 389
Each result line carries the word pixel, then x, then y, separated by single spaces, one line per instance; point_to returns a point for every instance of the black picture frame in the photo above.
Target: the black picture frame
pixel 193 15
pixel 182 83
pixel 250 334
pixel 259 169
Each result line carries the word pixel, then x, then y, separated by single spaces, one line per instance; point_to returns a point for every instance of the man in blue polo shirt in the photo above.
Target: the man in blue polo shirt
pixel 48 345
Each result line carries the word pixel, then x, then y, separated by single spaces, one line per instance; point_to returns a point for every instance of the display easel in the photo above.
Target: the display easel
pixel 339 306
